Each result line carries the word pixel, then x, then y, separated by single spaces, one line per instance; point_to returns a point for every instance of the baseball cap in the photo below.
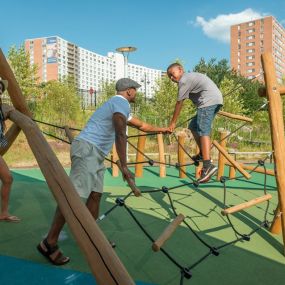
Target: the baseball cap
pixel 5 84
pixel 125 83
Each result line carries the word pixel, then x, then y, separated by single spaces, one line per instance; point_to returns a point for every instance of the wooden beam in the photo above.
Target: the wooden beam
pixel 275 109
pixel 221 158
pixel 162 168
pixel 102 259
pixel 139 155
pixel 167 232
pixel 231 160
pixel 181 155
pixel 115 157
pixel 234 116
pixel 246 205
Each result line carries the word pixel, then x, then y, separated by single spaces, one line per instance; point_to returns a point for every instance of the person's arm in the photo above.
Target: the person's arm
pixel 175 116
pixel 145 127
pixel 120 123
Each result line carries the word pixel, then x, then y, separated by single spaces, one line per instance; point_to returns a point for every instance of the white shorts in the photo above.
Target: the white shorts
pixel 87 168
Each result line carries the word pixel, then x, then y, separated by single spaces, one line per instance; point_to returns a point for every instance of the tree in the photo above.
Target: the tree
pixel 108 91
pixel 25 73
pixel 59 103
pixel 214 70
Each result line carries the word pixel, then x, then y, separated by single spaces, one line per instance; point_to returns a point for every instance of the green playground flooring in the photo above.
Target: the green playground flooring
pixel 258 261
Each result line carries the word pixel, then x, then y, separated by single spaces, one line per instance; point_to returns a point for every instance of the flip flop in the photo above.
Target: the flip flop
pixel 10 219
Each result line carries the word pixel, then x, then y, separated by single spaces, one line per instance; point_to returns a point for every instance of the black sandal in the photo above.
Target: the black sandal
pixel 52 253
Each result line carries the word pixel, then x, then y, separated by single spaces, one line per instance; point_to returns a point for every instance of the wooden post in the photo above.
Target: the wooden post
pixel 221 158
pixel 167 232
pixel 102 259
pixel 232 172
pixel 277 132
pixel 162 168
pixel 231 160
pixel 139 156
pixel 181 156
pixel 115 157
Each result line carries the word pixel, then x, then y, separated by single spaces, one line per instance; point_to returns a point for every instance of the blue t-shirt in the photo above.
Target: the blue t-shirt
pixel 99 130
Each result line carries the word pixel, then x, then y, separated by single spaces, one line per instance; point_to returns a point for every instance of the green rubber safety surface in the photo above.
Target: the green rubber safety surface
pixel 258 261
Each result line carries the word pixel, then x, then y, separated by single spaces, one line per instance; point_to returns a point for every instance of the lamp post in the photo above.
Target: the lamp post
pixel 126 51
pixel 145 81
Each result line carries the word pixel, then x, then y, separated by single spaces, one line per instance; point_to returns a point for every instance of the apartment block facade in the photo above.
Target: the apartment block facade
pixel 57 58
pixel 250 39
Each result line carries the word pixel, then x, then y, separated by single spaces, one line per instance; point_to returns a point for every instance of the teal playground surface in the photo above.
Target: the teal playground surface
pixel 258 261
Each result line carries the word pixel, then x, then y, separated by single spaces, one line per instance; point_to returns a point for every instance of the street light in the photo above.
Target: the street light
pixel 146 81
pixel 125 51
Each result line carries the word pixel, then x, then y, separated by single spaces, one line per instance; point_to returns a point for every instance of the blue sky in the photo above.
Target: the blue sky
pixel 162 30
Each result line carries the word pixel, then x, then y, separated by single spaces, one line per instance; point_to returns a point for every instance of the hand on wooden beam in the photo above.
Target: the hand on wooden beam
pixel 7 109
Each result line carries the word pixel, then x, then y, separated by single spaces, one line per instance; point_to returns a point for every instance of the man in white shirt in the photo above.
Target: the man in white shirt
pixel 88 150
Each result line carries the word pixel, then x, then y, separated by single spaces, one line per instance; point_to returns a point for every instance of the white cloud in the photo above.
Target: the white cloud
pixel 219 27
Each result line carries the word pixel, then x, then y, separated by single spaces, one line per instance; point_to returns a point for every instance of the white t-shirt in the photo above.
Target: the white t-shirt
pixel 99 130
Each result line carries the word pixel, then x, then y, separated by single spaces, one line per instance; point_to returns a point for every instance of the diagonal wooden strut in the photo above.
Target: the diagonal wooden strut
pixel 231 160
pixel 246 205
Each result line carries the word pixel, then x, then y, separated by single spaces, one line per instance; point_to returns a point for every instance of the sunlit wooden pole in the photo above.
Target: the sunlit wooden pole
pixel 139 155
pixel 162 168
pixel 277 132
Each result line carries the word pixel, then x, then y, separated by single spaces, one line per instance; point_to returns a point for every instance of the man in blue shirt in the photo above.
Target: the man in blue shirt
pixel 107 125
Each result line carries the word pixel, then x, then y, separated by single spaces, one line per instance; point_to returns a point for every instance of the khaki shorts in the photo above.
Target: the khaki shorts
pixel 87 168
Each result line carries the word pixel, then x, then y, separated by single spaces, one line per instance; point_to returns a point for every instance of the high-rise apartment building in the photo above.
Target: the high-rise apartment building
pixel 57 58
pixel 250 39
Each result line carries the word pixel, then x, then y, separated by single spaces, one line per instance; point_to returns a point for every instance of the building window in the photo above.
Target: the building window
pixel 250 44
pixel 250 24
pixel 250 50
pixel 250 70
pixel 250 37
pixel 250 31
pixel 250 57
pixel 249 63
